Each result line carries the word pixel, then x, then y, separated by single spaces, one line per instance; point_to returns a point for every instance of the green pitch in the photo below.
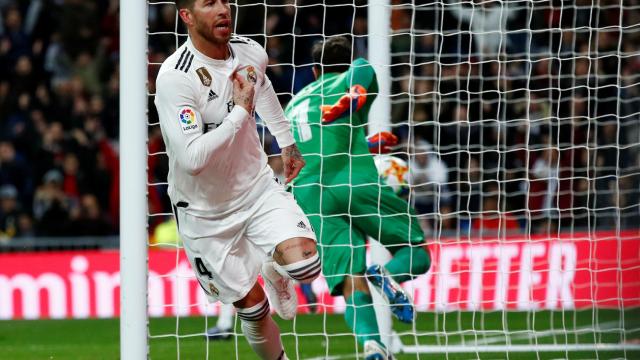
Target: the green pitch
pixel 327 337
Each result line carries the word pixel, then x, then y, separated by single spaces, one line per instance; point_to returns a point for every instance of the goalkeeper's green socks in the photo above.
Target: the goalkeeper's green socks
pixel 408 262
pixel 361 317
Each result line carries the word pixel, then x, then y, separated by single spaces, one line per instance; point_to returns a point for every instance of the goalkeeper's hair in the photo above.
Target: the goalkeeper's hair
pixel 332 55
pixel 182 4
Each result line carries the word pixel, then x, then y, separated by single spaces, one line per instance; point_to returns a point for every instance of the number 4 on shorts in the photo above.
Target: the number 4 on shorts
pixel 202 270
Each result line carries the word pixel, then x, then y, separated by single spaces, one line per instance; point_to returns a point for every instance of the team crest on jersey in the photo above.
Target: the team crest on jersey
pixel 188 121
pixel 204 76
pixel 251 74
pixel 214 290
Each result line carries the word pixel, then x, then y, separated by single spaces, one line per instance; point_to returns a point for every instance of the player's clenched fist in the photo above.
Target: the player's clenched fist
pixel 293 162
pixel 243 92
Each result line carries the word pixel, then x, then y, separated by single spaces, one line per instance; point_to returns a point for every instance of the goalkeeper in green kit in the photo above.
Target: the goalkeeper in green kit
pixel 340 192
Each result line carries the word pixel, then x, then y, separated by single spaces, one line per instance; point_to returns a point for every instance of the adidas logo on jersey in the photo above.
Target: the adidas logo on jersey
pixel 302 226
pixel 212 96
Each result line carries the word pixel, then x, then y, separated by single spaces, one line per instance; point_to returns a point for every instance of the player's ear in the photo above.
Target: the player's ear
pixel 314 70
pixel 186 16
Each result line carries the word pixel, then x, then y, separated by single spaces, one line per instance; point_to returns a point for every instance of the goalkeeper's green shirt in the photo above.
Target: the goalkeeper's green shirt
pixel 337 152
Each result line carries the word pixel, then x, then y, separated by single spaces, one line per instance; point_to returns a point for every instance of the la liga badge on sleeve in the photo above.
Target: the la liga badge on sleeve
pixel 188 121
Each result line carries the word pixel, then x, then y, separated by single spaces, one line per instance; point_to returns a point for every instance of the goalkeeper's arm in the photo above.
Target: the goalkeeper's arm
pixel 363 86
pixel 351 102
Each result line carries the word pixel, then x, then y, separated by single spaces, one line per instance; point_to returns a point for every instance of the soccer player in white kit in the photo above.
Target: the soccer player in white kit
pixel 234 219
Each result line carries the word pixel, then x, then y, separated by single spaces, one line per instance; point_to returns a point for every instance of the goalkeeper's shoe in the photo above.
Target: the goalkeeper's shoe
pixel 280 291
pixel 310 297
pixel 216 333
pixel 399 301
pixel 373 350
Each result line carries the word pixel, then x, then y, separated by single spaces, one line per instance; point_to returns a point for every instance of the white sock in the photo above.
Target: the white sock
pixel 225 317
pixel 261 331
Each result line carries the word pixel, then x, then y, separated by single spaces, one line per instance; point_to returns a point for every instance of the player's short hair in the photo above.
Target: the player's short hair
pixel 182 4
pixel 332 55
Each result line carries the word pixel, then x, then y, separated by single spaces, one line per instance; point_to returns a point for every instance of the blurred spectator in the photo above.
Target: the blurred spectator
pixel 87 68
pixel 429 179
pixel 543 202
pixel 9 213
pixel 360 31
pixel 14 42
pixel 72 183
pixel 51 206
pixel 469 193
pixel 57 62
pixel 88 219
pixel 487 21
pixel 546 105
pixel 609 159
pixel 493 220
pixel 15 171
pixel 24 79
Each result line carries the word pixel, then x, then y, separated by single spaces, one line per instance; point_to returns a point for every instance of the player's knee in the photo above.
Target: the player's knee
pixel 421 259
pixel 360 284
pixel 304 271
pixel 294 250
pixel 353 284
pixel 254 313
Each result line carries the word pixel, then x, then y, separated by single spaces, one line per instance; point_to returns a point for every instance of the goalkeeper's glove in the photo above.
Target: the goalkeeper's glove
pixel 381 142
pixel 353 101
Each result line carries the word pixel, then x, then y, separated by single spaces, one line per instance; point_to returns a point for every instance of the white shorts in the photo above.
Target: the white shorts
pixel 227 254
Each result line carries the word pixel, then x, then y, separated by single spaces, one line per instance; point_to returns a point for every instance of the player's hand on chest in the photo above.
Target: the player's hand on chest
pixel 216 99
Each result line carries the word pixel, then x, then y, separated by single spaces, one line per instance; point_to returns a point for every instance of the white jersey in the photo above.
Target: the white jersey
pixel 217 165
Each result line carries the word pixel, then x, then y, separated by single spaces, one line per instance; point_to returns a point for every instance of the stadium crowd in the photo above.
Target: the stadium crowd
pixel 498 125
pixel 58 118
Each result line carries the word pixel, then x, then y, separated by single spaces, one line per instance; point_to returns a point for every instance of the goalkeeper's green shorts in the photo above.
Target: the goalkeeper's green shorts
pixel 343 216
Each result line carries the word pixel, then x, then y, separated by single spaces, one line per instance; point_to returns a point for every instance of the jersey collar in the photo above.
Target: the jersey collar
pixel 213 62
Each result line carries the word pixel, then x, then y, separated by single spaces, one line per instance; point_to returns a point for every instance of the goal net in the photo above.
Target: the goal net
pixel 519 122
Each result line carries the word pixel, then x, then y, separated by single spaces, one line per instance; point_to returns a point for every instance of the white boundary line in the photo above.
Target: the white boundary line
pixel 337 357
pixel 436 349
pixel 540 334
pixel 482 347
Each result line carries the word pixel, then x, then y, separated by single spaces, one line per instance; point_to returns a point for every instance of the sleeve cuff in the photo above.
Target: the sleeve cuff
pixel 285 139
pixel 238 115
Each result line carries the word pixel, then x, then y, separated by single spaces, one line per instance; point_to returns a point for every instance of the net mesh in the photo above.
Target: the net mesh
pixel 519 121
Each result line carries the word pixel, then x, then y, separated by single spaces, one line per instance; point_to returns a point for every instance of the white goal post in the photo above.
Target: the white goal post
pixel 379 55
pixel 133 180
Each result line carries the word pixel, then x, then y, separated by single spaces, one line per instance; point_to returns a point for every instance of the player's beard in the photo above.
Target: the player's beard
pixel 208 32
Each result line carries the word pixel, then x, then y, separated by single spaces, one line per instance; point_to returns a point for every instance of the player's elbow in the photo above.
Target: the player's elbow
pixel 194 171
pixel 193 166
pixel 195 158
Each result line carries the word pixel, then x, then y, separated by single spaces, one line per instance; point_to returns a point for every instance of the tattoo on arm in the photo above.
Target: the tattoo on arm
pixel 292 152
pixel 248 101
